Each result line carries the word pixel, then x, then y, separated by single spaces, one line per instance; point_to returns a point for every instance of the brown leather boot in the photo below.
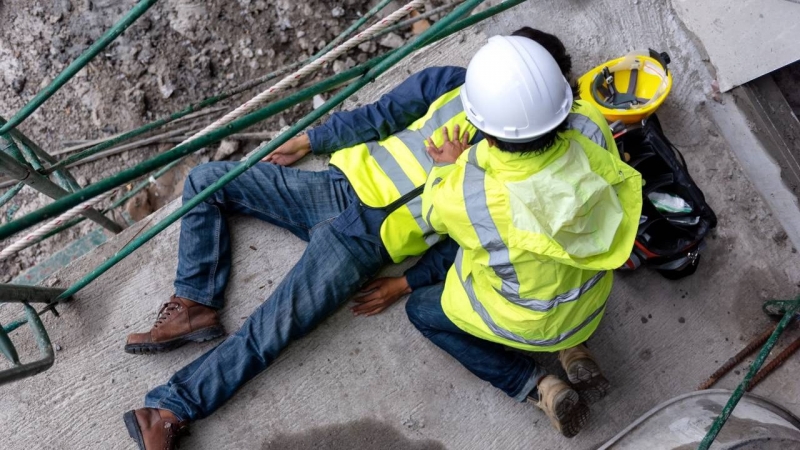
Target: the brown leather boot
pixel 179 321
pixel 563 406
pixel 584 373
pixel 154 429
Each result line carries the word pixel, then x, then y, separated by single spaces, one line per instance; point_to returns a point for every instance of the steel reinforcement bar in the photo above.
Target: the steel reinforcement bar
pixel 216 98
pixel 439 30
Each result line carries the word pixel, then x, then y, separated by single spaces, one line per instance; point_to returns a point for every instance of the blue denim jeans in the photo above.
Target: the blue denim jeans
pixel 510 371
pixel 333 267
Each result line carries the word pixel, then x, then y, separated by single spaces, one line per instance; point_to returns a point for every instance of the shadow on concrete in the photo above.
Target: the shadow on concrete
pixel 367 434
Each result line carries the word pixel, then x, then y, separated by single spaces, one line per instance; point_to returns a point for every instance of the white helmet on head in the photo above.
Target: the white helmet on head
pixel 515 90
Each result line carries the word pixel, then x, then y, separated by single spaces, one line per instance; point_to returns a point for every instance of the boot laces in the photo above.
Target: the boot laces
pixel 174 431
pixel 165 312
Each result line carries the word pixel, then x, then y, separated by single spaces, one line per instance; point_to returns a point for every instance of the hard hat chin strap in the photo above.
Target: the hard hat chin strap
pixel 604 89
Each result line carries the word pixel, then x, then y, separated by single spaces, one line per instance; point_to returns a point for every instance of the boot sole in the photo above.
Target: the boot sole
pixel 571 413
pixel 133 429
pixel 206 334
pixel 586 378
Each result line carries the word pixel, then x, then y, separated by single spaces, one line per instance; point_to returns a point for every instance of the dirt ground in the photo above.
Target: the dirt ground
pixel 179 52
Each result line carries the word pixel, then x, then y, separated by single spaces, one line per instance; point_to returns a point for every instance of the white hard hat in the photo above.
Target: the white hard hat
pixel 515 90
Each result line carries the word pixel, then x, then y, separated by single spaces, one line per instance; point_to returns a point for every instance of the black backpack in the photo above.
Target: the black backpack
pixel 670 238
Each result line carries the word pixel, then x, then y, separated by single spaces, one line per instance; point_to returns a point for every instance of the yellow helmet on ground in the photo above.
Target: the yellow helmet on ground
pixel 628 88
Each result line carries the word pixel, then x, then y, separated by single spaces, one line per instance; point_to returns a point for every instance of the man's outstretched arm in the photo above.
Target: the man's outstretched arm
pixel 393 112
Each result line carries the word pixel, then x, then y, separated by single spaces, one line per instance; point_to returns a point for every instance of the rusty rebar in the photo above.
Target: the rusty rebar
pixel 754 345
pixel 775 363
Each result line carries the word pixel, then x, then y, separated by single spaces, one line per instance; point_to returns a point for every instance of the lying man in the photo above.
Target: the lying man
pixel 543 210
pixel 360 215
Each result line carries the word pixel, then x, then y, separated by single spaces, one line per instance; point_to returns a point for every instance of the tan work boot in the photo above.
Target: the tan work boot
pixel 584 373
pixel 154 429
pixel 563 406
pixel 179 321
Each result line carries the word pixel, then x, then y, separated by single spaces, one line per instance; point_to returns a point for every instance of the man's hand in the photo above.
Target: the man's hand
pixel 375 297
pixel 451 148
pixel 290 152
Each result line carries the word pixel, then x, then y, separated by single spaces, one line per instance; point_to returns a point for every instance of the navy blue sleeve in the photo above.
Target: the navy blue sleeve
pixel 393 112
pixel 433 266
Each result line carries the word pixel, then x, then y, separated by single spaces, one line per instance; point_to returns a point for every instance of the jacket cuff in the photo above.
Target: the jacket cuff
pixel 320 140
pixel 417 278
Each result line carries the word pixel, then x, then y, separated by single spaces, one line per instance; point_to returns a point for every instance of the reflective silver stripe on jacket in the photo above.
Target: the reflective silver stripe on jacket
pixel 478 307
pixel 403 183
pixel 415 139
pixel 499 257
pixel 587 128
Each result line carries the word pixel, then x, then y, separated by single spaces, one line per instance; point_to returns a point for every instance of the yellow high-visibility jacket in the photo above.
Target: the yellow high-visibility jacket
pixel 539 234
pixel 391 174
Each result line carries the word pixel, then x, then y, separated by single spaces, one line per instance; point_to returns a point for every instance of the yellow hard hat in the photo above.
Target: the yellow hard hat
pixel 628 88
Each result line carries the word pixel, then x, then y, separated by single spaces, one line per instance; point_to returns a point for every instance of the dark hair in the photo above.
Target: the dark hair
pixel 550 43
pixel 536 146
pixel 556 48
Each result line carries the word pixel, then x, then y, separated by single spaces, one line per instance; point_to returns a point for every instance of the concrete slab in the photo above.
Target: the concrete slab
pixel 745 39
pixel 376 383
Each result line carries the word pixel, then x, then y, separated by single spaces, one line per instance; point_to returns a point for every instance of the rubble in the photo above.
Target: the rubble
pixel 179 52
pixel 226 149
pixel 392 40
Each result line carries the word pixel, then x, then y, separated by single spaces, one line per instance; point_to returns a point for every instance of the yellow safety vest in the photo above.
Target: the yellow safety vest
pixel 391 174
pixel 539 235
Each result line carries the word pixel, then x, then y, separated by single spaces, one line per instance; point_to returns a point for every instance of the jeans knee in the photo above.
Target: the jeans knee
pixel 414 311
pixel 200 177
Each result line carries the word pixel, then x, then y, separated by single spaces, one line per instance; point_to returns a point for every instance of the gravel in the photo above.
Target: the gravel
pixel 179 52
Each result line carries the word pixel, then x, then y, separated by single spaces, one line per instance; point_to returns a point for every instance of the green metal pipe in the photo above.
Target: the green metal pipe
pixel 9 164
pixel 217 98
pixel 413 20
pixel 9 194
pixel 361 21
pixel 42 184
pixel 131 134
pixel 473 19
pixel 14 325
pixel 311 91
pixel 157 174
pixel 78 64
pixel 125 176
pixel 259 154
pixel 30 157
pixel 11 149
pixel 116 204
pixel 716 427
pixel 17 293
pixel 64 180
pixel 7 348
pixel 447 30
pixel 63 177
pixel 47 355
